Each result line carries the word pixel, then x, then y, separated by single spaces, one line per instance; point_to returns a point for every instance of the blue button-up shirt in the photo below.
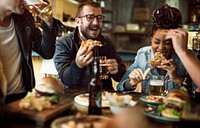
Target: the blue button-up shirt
pixel 141 61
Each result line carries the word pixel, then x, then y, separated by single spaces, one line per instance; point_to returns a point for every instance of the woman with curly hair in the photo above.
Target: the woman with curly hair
pixel 164 19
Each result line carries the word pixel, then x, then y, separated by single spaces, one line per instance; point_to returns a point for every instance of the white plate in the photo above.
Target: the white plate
pixel 83 99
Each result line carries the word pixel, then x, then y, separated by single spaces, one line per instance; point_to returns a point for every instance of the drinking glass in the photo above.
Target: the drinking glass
pixel 38 8
pixel 156 86
pixel 102 67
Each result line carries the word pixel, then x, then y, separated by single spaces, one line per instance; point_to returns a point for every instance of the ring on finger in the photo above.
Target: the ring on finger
pixel 113 68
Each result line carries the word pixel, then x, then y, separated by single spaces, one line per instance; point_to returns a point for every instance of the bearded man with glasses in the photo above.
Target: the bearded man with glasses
pixel 72 61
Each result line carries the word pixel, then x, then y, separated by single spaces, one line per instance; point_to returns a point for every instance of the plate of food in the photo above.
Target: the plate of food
pixel 172 107
pixel 79 121
pixel 83 99
pixel 155 114
pixel 154 100
pixel 43 103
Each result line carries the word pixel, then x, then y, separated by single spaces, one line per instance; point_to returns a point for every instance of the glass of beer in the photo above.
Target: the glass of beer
pixel 156 85
pixel 38 8
pixel 102 67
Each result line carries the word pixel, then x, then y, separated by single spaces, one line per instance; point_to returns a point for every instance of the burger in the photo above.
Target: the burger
pixel 174 102
pixel 50 88
pixel 46 93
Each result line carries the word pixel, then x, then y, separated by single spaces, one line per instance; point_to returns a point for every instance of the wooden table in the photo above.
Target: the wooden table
pixel 71 93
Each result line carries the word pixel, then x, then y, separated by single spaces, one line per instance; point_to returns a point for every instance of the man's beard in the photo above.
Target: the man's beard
pixel 85 32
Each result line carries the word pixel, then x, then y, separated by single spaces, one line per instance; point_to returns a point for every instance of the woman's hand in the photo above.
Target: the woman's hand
pixel 136 76
pixel 171 68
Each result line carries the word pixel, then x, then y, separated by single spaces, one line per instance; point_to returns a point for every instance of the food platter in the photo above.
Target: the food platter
pixel 77 120
pixel 152 100
pixel 156 115
pixel 83 99
pixel 13 110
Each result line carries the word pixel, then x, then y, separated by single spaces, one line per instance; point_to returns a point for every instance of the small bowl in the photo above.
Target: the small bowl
pixel 118 102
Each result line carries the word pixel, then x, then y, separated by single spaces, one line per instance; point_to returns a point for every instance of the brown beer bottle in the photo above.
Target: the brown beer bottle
pixel 95 91
pixel 187 84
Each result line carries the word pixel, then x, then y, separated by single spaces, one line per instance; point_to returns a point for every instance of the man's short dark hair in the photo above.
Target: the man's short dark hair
pixel 88 3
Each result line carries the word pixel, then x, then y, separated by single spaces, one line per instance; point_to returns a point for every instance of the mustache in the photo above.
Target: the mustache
pixel 94 26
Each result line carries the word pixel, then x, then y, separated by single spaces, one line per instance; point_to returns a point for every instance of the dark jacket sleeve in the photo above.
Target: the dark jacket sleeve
pixel 44 39
pixel 32 38
pixel 64 59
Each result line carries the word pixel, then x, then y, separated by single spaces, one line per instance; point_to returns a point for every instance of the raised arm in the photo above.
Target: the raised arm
pixel 192 65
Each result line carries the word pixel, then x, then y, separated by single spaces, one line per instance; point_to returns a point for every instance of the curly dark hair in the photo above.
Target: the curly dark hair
pixel 166 17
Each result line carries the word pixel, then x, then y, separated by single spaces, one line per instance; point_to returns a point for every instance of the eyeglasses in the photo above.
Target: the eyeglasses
pixel 91 17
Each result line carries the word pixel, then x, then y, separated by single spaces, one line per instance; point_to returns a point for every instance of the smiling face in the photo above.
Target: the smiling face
pixel 160 44
pixel 89 29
